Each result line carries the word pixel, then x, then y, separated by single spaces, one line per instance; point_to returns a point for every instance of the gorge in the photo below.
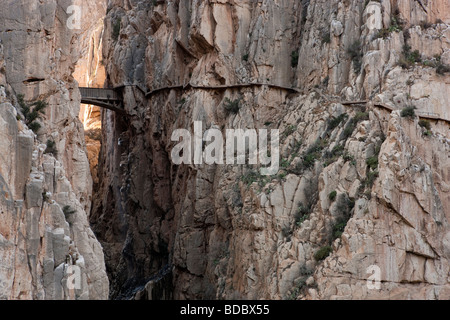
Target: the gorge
pixel 358 91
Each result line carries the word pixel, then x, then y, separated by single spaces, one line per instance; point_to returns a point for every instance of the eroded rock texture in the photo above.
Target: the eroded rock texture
pixel 45 181
pixel 360 185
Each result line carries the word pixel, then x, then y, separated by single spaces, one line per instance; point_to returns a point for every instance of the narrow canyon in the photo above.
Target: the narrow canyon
pixel 358 91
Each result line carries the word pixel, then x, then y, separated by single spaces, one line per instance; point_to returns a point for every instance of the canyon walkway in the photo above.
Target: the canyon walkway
pixel 112 98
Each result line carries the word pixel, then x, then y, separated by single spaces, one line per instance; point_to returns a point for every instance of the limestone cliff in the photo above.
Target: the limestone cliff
pixel 358 89
pixel 45 181
pixel 360 184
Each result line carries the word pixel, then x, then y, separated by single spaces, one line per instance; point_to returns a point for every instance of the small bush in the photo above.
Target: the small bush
pixel 425 25
pixel 442 69
pixel 335 122
pixel 349 158
pixel 408 112
pixel 409 58
pixel 383 34
pixel 245 57
pixel 34 126
pixel 332 195
pixel 309 160
pixel 304 210
pixel 250 177
pixel 45 196
pixel 339 227
pixel 414 57
pixel 68 212
pixel 344 206
pixel 355 52
pixel 294 58
pixel 323 253
pixel 361 116
pixel 51 148
pixel 232 106
pixel 302 219
pixel 371 177
pixel 289 130
pixel 351 125
pixel 386 32
pixel 348 131
pixel 303 213
pixel 425 124
pixel 32 112
pixel 372 162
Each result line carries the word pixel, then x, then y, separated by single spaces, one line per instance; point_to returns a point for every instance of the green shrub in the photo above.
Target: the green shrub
pixel 232 106
pixel 355 52
pixel 442 69
pixel 294 58
pixel 245 57
pixel 335 122
pixel 309 160
pixel 351 125
pixel 332 156
pixel 408 112
pixel 361 116
pixel 344 206
pixel 386 32
pixel 45 196
pixel 51 148
pixel 250 177
pixel 414 57
pixel 425 124
pixel 68 212
pixel 323 253
pixel 32 112
pixel 409 58
pixel 349 129
pixel 304 210
pixel 34 126
pixel 372 162
pixel 311 155
pixel 338 150
pixel 383 33
pixel 425 25
pixel 303 213
pixel 332 195
pixel 302 219
pixel 371 177
pixel 339 227
pixel 289 130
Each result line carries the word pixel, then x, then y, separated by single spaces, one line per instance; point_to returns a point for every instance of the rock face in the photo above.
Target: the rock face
pixel 358 210
pixel 47 248
pixel 360 188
